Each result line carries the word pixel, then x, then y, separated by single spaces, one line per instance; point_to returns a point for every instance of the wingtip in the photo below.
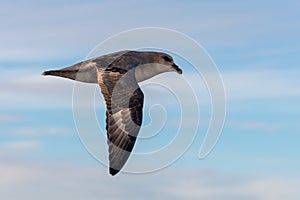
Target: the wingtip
pixel 113 171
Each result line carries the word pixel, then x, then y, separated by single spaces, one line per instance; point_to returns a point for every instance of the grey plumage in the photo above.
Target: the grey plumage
pixel 118 75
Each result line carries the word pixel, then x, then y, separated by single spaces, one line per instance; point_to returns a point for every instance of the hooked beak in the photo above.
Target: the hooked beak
pixel 176 68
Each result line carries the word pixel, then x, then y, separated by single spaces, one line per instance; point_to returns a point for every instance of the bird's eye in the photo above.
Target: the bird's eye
pixel 166 58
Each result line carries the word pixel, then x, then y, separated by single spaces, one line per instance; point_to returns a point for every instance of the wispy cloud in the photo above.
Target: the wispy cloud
pixel 10 118
pixel 39 131
pixel 55 31
pixel 33 90
pixel 258 125
pixel 27 88
pixel 17 149
pixel 261 83
pixel 247 39
pixel 57 180
pixel 19 146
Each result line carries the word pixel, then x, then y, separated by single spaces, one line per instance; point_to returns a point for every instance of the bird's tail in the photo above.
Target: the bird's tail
pixel 62 73
pixel 83 72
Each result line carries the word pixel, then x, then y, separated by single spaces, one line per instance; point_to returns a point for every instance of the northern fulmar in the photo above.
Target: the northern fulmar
pixel 118 75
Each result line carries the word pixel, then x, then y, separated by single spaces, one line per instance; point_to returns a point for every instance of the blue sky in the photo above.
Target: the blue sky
pixel 255 45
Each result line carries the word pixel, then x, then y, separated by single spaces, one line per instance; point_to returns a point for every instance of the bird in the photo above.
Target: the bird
pixel 118 75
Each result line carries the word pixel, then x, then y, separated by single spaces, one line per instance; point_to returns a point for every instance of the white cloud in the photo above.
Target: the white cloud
pixel 10 118
pixel 39 131
pixel 65 181
pixel 19 145
pixel 230 187
pixel 11 150
pixel 261 125
pixel 261 84
pixel 59 31
pixel 12 174
pixel 28 89
pixel 272 188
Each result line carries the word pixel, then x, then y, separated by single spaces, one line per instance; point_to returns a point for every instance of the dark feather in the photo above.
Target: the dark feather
pixel 124 103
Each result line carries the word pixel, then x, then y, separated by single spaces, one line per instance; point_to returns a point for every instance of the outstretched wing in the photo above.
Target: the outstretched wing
pixel 124 102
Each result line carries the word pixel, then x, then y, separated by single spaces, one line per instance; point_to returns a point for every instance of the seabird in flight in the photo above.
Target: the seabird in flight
pixel 118 75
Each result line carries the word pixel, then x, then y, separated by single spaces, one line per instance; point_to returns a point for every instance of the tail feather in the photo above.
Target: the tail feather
pixel 79 72
pixel 61 73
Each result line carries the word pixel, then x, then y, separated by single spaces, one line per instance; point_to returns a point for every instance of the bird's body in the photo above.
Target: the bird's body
pixel 118 75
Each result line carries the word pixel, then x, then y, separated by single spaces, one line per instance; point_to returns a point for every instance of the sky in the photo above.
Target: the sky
pixel 255 46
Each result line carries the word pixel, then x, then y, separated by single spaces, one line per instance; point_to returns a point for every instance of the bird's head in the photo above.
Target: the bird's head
pixel 154 63
pixel 167 61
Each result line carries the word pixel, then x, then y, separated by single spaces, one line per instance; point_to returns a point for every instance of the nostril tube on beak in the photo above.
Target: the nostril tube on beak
pixel 178 70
